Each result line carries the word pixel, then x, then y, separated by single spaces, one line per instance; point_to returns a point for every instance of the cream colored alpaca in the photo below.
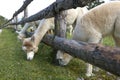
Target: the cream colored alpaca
pixel 30 45
pixel 97 23
pixel 21 34
pixel 0 31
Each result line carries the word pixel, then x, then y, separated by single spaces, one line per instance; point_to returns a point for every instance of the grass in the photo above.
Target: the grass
pixel 14 66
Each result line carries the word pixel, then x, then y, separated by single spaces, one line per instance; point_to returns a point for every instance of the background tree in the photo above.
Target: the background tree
pixel 94 4
pixel 2 19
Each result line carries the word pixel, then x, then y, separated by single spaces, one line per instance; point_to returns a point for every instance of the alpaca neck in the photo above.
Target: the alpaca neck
pixel 43 27
pixel 26 26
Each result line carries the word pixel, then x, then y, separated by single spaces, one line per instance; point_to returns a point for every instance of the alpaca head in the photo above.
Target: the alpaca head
pixel 29 47
pixel 63 58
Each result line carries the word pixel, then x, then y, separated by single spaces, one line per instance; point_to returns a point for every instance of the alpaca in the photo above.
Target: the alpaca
pixel 96 24
pixel 30 45
pixel 0 31
pixel 32 25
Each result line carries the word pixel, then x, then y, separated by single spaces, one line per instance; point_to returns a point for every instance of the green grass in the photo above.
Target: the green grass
pixel 14 66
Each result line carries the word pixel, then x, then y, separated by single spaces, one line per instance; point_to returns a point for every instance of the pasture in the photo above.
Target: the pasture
pixel 14 66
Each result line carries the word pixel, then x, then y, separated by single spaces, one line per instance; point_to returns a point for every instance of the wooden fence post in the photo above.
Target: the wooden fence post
pixel 60 29
pixel 16 20
pixel 25 13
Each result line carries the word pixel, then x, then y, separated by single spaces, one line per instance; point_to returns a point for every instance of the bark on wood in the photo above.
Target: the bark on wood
pixel 25 13
pixel 55 8
pixel 107 58
pixel 16 20
pixel 23 7
pixel 25 4
pixel 60 30
pixel 60 23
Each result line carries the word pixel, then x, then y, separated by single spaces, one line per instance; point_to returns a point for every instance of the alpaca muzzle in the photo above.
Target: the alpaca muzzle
pixel 30 55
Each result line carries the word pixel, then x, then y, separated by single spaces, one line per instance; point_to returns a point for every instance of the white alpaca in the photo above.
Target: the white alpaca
pixel 30 45
pixel 31 25
pixel 0 31
pixel 97 23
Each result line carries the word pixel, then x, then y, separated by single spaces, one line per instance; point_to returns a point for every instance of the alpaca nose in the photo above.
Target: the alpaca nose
pixel 29 59
pixel 30 55
pixel 60 59
pixel 61 62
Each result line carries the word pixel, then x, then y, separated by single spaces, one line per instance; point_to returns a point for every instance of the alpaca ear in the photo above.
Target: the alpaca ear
pixel 22 39
pixel 32 38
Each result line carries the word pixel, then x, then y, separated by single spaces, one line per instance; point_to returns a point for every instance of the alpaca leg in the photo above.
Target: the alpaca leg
pixel 94 39
pixel 89 70
pixel 70 27
pixel 116 36
pixel 117 44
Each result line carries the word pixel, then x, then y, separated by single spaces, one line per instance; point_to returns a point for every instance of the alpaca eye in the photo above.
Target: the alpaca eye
pixel 31 50
pixel 25 51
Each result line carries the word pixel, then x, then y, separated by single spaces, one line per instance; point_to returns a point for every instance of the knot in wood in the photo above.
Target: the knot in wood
pixel 96 53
